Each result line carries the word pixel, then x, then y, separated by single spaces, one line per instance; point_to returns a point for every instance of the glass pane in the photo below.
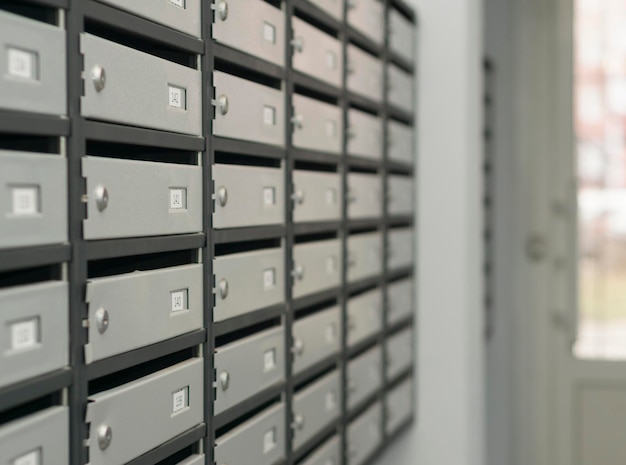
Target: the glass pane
pixel 600 96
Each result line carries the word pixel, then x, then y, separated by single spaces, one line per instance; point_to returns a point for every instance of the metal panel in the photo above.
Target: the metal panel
pixel 252 26
pixel 317 125
pixel 401 35
pixel 400 198
pixel 399 352
pixel 400 298
pixel 247 110
pixel 194 460
pixel 365 135
pixel 126 86
pixel 364 435
pixel 365 74
pixel 316 337
pixel 33 74
pixel 365 376
pixel 365 199
pixel 37 439
pixel 400 88
pixel 317 53
pixel 33 199
pixel 315 407
pixel 317 266
pixel 161 405
pixel 329 453
pixel 183 15
pixel 399 403
pixel 248 281
pixel 332 7
pixel 317 196
pixel 144 307
pixel 259 441
pixel 248 196
pixel 400 142
pixel 365 316
pixel 130 198
pixel 364 256
pixel 400 248
pixel 33 330
pixel 368 17
pixel 248 366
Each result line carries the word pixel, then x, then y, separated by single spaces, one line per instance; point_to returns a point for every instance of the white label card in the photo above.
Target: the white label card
pixel 269 440
pixel 178 198
pixel 331 128
pixel 269 360
pixel 25 200
pixel 25 334
pixel 331 333
pixel 177 97
pixel 179 300
pixel 23 64
pixel 269 196
pixel 269 33
pixel 331 401
pixel 269 278
pixel 331 60
pixel 331 265
pixel 179 3
pixel 180 399
pixel 269 116
pixel 30 458
pixel 331 196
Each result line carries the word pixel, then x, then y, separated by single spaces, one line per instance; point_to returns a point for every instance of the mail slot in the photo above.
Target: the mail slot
pixel 368 17
pixel 333 7
pixel 130 198
pixel 317 125
pixel 364 256
pixel 317 266
pixel 400 198
pixel 248 196
pixel 365 376
pixel 161 405
pixel 317 196
pixel 248 281
pixel 400 298
pixel 126 86
pixel 364 196
pixel 365 313
pixel 399 406
pixel 248 366
pixel 328 453
pixel 315 407
pixel 248 111
pixel 401 35
pixel 400 251
pixel 400 88
pixel 317 53
pixel 365 135
pixel 33 203
pixel 399 352
pixel 34 326
pixel 260 440
pixel 365 435
pixel 39 438
pixel 365 74
pixel 400 142
pixel 252 26
pixel 137 309
pixel 316 337
pixel 183 15
pixel 33 64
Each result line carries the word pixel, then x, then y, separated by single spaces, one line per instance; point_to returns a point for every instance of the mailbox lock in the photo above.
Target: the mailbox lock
pixel 102 320
pixel 298 121
pixel 298 347
pixel 222 10
pixel 298 422
pixel 99 77
pixel 222 104
pixel 222 195
pixel 298 196
pixel 298 44
pixel 224 380
pixel 298 272
pixel 223 288
pixel 102 197
pixel 105 435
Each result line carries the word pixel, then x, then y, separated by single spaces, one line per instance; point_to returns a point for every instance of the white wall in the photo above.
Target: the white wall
pixel 450 353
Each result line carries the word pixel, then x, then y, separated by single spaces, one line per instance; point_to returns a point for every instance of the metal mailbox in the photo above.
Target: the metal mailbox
pixel 401 35
pixel 365 199
pixel 315 407
pixel 400 88
pixel 399 403
pixel 37 439
pixel 368 17
pixel 365 135
pixel 399 352
pixel 317 53
pixel 365 376
pixel 195 459
pixel 137 309
pixel 333 7
pixel 364 256
pixel 317 125
pixel 259 441
pixel 317 196
pixel 33 65
pixel 33 199
pixel 248 366
pixel 248 281
pixel 365 435
pixel 400 196
pixel 365 316
pixel 400 142
pixel 248 111
pixel 365 74
pixel 126 86
pixel 400 300
pixel 400 248
pixel 317 266
pixel 316 337
pixel 182 15
pixel 34 322
pixel 161 405
pixel 252 26
pixel 130 198
pixel 328 453
pixel 248 196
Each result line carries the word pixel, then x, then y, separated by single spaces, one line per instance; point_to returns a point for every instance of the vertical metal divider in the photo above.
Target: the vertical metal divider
pixel 77 272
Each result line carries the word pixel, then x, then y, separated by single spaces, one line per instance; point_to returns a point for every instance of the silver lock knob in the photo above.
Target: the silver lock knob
pixel 298 196
pixel 222 195
pixel 223 286
pixel 102 320
pixel 298 44
pixel 102 197
pixel 224 380
pixel 298 121
pixel 99 78
pixel 222 104
pixel 222 10
pixel 298 422
pixel 105 436
pixel 298 272
pixel 298 347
